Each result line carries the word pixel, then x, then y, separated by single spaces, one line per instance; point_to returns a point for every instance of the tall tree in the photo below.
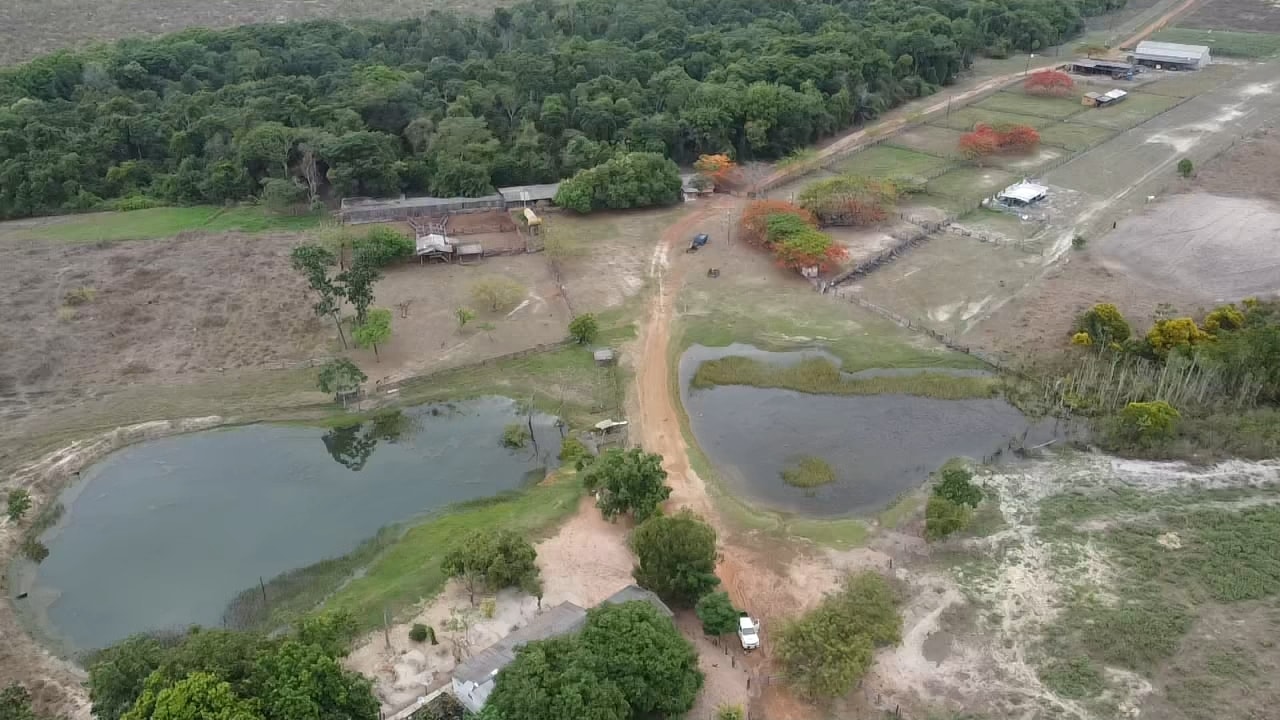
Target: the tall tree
pixel 627 481
pixel 677 557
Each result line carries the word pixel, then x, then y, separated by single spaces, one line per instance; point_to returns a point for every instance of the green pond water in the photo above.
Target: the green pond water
pixel 164 534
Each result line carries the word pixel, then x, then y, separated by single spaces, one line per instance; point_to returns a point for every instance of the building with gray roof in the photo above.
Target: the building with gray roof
pixel 1170 56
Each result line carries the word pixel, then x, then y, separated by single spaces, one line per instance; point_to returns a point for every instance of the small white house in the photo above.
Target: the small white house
pixel 1022 194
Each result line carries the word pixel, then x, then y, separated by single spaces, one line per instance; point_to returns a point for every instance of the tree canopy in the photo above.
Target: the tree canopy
pixel 717 613
pixel 629 661
pixel 677 557
pixel 450 104
pixel 627 481
pixel 492 560
pixel 231 675
pixel 826 651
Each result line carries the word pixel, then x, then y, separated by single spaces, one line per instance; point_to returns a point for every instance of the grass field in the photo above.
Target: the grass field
pixel 998 222
pixel 1016 101
pixel 1075 136
pixel 408 569
pixel 164 222
pixel 821 377
pixel 888 161
pixel 1136 109
pixel 1253 45
pixel 929 139
pixel 966 118
pixel 970 183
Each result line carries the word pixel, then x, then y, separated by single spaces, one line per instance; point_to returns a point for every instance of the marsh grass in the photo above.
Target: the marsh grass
pixel 809 472
pixel 819 376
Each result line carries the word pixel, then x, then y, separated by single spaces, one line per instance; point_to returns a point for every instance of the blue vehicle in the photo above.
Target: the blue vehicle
pixel 698 241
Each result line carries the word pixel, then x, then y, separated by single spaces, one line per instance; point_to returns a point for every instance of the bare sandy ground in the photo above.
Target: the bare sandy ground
pixel 1220 248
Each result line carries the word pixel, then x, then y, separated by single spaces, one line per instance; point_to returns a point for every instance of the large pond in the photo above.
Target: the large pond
pixel 878 445
pixel 164 534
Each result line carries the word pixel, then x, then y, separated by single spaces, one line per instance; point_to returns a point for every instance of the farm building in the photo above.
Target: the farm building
pixel 474 680
pixel 1110 68
pixel 1170 56
pixel 526 195
pixel 1096 99
pixel 1022 194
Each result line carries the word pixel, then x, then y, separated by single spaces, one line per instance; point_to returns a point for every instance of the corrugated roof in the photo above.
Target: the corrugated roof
pixel 1024 191
pixel 559 620
pixel 1174 50
pixel 632 593
pixel 529 193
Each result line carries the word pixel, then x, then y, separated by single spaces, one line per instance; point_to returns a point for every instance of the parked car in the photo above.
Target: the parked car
pixel 748 632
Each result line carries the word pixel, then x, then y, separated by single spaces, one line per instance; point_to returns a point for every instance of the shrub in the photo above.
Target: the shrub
pixel 487 608
pixel 497 293
pixel 1227 317
pixel 754 225
pixel 382 246
pixel 1185 167
pixel 717 613
pixel 1104 324
pixel 418 633
pixel 828 649
pixel 1081 338
pixel 1149 421
pixel 515 435
pixel 942 517
pixel 18 503
pixel 1075 678
pixel 849 200
pixel 137 202
pixel 34 550
pixel 79 296
pixel 584 328
pixel 464 316
pixel 957 486
pixel 1078 242
pixel 1176 334
pixel 730 712
pixel 282 195
pixel 572 450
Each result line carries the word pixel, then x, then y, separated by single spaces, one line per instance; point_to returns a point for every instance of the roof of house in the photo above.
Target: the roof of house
pixel 529 193
pixel 1176 51
pixel 559 620
pixel 1115 94
pixel 633 593
pixel 1024 191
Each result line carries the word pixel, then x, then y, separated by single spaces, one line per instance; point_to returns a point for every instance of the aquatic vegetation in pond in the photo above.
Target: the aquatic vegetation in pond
pixel 821 376
pixel 809 472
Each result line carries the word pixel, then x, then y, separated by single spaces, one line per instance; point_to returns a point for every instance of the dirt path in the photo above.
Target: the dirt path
pixel 866 135
pixel 1159 23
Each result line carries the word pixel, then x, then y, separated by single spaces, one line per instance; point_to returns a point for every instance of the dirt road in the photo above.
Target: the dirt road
pixel 1160 22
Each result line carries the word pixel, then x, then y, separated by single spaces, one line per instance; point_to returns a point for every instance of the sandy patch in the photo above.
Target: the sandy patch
pixel 1219 248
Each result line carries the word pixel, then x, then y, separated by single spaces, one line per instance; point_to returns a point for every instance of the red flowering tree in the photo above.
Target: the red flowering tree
pixel 987 140
pixel 1052 83
pixel 755 219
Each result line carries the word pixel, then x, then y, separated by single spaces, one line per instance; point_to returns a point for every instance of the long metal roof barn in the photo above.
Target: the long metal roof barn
pixel 1153 50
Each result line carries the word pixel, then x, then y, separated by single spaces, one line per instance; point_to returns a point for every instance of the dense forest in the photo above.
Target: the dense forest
pixel 454 105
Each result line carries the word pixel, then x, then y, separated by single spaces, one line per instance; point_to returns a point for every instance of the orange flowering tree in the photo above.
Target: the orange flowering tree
pixel 1053 83
pixel 988 140
pixel 720 168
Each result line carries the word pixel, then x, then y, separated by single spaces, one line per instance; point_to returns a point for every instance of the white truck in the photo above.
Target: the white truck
pixel 748 632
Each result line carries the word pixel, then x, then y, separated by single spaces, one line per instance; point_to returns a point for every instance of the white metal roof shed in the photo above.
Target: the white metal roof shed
pixel 1155 51
pixel 1024 192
